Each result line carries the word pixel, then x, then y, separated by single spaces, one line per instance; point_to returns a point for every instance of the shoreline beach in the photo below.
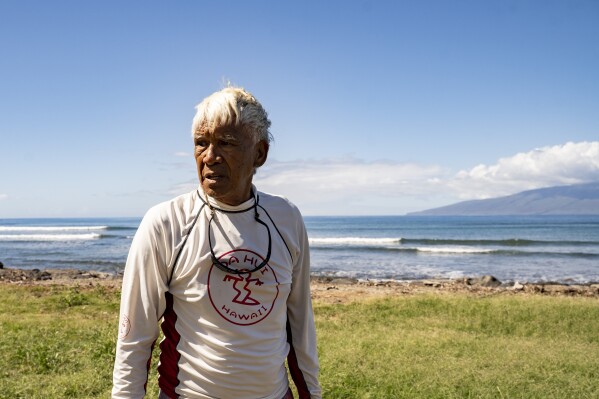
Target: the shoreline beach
pixel 325 289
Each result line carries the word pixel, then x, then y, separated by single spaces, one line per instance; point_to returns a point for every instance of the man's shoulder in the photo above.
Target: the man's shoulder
pixel 280 209
pixel 276 202
pixel 173 208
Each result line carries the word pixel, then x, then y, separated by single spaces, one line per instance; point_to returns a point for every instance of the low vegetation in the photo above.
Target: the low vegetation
pixel 58 342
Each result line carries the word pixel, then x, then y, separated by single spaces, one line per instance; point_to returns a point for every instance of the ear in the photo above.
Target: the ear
pixel 261 153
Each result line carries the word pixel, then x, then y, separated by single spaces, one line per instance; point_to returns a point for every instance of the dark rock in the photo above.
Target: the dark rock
pixel 489 281
pixel 484 281
pixel 45 276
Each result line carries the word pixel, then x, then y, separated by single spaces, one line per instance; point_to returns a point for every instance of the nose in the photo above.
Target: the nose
pixel 211 155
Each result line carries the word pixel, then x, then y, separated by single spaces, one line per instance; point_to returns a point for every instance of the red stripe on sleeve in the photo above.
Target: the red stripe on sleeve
pixel 168 369
pixel 296 373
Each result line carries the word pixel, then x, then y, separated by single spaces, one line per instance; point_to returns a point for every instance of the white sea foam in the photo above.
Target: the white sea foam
pixel 354 241
pixel 49 237
pixel 51 228
pixel 455 274
pixel 455 250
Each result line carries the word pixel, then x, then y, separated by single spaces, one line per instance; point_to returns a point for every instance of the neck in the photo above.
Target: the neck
pixel 214 202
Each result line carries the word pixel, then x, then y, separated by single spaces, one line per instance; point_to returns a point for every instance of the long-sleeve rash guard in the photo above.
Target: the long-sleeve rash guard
pixel 225 335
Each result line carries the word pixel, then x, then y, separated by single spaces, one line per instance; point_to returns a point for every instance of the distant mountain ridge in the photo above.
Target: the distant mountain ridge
pixel 577 199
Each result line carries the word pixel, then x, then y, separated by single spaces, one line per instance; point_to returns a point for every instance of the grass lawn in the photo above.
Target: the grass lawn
pixel 58 342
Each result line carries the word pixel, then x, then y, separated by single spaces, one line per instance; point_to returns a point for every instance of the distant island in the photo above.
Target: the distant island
pixel 577 199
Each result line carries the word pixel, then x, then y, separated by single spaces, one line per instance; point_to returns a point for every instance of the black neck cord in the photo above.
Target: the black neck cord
pixel 215 260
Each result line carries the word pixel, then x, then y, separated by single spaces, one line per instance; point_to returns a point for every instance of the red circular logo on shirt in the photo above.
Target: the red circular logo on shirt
pixel 246 298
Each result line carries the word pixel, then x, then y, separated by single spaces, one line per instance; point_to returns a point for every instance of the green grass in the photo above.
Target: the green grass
pixel 58 342
pixel 459 346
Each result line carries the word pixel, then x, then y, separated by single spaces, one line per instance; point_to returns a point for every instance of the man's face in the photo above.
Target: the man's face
pixel 226 158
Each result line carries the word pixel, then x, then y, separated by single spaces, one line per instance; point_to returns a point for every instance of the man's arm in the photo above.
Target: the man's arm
pixel 142 304
pixel 301 333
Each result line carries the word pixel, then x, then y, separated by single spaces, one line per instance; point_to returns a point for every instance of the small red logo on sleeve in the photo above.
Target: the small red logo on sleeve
pixel 124 326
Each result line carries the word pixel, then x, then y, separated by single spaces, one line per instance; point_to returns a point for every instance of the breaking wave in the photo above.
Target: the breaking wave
pixel 49 237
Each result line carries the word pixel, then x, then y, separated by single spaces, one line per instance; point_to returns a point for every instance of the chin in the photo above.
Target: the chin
pixel 212 190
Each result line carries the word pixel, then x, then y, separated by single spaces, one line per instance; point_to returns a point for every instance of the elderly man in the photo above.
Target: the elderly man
pixel 225 269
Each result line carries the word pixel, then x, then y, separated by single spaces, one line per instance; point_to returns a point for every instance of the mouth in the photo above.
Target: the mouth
pixel 213 176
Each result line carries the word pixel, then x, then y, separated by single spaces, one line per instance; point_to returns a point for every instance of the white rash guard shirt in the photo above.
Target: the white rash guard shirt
pixel 226 335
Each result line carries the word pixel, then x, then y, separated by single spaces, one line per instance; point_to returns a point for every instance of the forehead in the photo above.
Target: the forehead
pixel 208 129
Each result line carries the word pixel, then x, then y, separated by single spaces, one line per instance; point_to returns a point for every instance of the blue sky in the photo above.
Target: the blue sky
pixel 378 107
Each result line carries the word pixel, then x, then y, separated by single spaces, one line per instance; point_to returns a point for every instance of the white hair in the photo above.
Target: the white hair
pixel 232 106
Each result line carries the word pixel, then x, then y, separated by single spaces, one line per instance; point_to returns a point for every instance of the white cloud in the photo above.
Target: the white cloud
pixel 182 154
pixel 351 186
pixel 3 196
pixel 182 188
pixel 569 163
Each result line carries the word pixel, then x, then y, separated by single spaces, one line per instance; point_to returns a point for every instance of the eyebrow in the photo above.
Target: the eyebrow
pixel 227 136
pixel 224 135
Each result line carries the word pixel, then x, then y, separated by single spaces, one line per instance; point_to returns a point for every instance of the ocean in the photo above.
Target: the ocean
pixel 562 249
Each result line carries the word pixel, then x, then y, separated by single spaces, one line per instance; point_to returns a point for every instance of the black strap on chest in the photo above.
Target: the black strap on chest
pixel 214 258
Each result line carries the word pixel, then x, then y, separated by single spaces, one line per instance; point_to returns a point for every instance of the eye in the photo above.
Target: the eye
pixel 201 142
pixel 226 143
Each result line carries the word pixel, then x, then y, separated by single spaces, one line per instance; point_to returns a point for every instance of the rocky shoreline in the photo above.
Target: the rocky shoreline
pixel 326 289
pixel 335 290
pixel 55 276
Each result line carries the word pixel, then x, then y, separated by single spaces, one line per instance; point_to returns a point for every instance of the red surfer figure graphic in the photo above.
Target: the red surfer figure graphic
pixel 246 299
